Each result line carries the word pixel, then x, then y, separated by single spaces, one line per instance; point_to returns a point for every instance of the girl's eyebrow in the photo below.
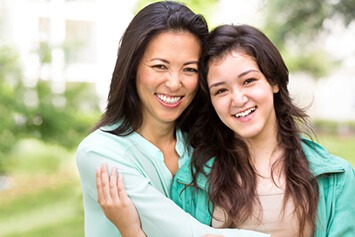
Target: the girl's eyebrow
pixel 217 84
pixel 247 72
pixel 239 76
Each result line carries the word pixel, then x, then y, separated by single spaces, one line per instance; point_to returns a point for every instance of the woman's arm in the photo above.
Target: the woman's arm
pixel 115 203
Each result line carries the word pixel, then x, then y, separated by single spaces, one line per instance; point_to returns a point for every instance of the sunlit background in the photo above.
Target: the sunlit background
pixel 56 61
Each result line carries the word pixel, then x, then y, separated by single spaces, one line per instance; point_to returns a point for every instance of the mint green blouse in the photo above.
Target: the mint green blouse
pixel 147 182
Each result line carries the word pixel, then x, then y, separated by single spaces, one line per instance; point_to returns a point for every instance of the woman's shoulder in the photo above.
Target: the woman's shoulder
pixel 102 141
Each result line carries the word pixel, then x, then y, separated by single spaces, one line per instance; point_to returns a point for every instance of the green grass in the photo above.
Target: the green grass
pixel 343 146
pixel 49 212
pixel 46 197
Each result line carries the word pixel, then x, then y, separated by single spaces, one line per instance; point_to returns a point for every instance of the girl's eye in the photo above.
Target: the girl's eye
pixel 249 80
pixel 220 91
pixel 190 69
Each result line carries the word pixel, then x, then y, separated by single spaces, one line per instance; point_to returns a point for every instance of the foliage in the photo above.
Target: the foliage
pixel 317 62
pixel 61 118
pixel 299 27
pixel 11 89
pixel 334 127
pixel 38 112
pixel 306 19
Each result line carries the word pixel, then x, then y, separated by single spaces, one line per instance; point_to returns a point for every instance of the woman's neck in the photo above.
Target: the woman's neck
pixel 163 137
pixel 158 134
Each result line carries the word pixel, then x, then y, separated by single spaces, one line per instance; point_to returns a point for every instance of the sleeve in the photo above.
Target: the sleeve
pixel 159 215
pixel 96 223
pixel 342 221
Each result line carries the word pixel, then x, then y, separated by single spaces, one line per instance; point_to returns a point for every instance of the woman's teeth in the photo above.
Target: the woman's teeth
pixel 169 100
pixel 245 113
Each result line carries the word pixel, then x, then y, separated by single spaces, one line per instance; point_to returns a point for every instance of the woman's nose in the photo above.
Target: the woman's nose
pixel 173 81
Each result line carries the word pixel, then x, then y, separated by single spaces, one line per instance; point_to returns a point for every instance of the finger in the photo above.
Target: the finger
pixel 121 189
pixel 99 185
pixel 113 185
pixel 105 183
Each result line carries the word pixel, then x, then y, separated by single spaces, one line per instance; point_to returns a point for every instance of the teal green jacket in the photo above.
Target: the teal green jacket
pixel 336 180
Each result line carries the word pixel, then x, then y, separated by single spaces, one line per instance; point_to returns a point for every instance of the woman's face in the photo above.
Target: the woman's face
pixel 241 96
pixel 167 76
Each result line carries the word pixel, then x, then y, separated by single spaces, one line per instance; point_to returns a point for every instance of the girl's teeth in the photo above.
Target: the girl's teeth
pixel 169 100
pixel 245 113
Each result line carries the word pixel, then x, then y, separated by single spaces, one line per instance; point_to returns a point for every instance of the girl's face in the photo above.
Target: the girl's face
pixel 167 76
pixel 241 96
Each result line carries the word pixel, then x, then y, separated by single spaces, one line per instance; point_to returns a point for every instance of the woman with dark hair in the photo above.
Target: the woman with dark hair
pixel 152 103
pixel 252 166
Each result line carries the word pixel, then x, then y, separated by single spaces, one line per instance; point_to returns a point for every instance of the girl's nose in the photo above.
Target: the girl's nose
pixel 239 99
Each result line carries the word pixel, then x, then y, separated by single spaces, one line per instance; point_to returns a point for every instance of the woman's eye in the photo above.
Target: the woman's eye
pixel 190 69
pixel 159 66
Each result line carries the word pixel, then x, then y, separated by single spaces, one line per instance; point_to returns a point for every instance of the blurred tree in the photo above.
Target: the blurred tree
pixel 62 119
pixel 36 111
pixel 306 19
pixel 299 27
pixel 11 89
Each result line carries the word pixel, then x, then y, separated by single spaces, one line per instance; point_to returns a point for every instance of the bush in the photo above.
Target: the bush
pixel 38 112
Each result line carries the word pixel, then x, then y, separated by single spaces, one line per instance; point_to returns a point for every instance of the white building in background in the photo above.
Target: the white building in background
pixel 83 36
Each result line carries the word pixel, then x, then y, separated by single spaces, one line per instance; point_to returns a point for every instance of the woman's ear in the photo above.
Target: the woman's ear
pixel 275 88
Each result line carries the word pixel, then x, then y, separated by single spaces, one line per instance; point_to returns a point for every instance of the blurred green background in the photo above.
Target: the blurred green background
pixel 40 127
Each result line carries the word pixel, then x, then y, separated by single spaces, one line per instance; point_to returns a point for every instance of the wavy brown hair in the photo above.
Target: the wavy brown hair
pixel 232 180
pixel 124 104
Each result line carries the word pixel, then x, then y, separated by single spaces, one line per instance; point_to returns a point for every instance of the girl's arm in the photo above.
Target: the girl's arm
pixel 342 215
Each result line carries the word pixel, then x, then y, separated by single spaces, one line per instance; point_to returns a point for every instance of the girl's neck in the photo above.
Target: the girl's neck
pixel 264 153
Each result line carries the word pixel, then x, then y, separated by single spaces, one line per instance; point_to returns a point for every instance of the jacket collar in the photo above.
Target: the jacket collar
pixel 184 175
pixel 320 160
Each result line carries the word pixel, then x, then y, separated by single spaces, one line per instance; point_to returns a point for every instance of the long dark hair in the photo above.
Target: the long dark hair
pixel 232 179
pixel 124 104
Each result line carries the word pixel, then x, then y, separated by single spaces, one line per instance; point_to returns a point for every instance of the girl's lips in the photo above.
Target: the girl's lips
pixel 245 113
